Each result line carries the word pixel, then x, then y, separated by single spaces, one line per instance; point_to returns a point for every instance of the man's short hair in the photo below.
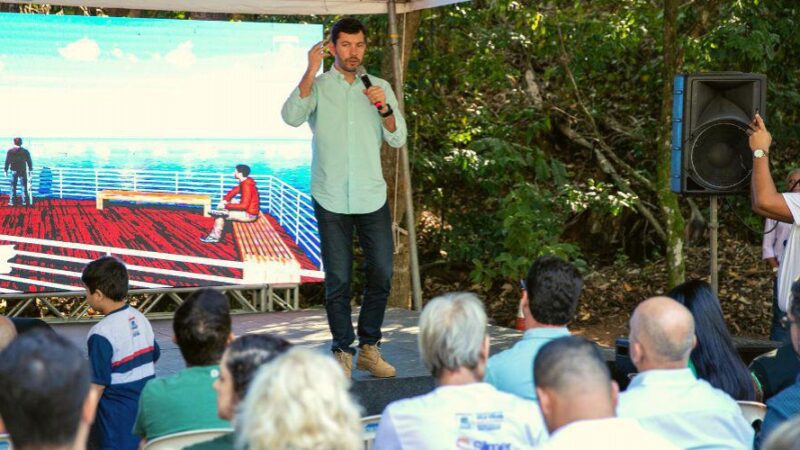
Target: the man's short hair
pixel 107 274
pixel 570 363
pixel 554 287
pixel 17 141
pixel 452 328
pixel 347 25
pixel 202 325
pixel 45 380
pixel 243 169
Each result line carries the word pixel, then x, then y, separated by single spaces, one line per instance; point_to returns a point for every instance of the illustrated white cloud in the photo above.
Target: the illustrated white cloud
pixel 182 56
pixel 119 54
pixel 85 50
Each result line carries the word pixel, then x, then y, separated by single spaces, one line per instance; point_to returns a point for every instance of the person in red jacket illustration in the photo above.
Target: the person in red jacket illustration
pixel 245 210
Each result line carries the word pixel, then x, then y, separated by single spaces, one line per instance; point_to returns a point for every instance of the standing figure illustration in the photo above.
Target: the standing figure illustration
pixel 18 159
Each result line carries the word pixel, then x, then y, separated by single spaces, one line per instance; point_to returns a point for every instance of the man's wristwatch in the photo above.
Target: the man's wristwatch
pixel 760 153
pixel 388 112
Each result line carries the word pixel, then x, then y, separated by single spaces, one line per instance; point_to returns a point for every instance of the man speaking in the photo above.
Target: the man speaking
pixel 349 120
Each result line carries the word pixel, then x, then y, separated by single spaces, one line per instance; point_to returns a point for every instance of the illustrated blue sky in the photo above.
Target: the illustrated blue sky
pixel 78 76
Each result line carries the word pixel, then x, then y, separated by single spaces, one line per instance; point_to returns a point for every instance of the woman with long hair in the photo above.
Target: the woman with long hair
pixel 239 364
pixel 300 401
pixel 714 359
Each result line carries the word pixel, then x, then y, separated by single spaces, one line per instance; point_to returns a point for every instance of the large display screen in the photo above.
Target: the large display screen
pixel 131 133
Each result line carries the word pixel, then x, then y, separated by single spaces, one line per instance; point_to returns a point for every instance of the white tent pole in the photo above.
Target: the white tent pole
pixel 416 285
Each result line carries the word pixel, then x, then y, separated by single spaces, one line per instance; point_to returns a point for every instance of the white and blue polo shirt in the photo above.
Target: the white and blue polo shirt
pixel 122 353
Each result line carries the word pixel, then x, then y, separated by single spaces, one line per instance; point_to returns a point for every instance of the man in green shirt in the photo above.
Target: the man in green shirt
pixel 187 400
pixel 350 121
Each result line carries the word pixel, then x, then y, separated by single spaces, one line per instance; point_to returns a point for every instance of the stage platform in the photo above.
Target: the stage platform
pixel 310 328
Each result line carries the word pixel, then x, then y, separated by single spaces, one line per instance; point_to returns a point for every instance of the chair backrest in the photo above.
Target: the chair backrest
pixel 753 412
pixel 5 442
pixel 369 428
pixel 178 441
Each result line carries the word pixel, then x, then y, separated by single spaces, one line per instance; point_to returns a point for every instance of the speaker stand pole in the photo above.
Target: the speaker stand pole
pixel 713 237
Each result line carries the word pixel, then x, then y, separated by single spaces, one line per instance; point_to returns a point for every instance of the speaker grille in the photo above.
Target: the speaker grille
pixel 720 157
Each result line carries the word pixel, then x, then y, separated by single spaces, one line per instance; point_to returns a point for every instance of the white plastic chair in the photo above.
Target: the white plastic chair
pixel 369 428
pixel 178 441
pixel 753 412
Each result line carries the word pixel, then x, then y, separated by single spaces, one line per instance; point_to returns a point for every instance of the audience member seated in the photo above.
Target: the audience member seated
pixel 300 401
pixel 122 353
pixel 714 358
pixel 776 370
pixel 549 301
pixel 45 400
pixel 462 412
pixel 665 396
pixel 786 404
pixel 785 437
pixel 7 332
pixel 186 401
pixel 238 367
pixel 578 399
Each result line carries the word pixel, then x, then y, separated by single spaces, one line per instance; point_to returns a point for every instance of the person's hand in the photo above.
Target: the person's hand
pixel 759 136
pixel 375 94
pixel 315 57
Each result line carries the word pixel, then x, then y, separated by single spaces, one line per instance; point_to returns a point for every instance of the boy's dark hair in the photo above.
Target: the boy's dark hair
pixel 247 354
pixel 202 325
pixel 553 286
pixel 347 25
pixel 17 141
pixel 243 169
pixel 45 380
pixel 107 274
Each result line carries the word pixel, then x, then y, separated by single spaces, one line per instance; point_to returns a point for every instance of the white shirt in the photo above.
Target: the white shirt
pixel 606 434
pixel 775 236
pixel 689 412
pixel 471 416
pixel 790 266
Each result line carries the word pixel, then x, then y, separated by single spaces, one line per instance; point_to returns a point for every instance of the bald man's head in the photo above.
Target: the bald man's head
pixel 662 334
pixel 7 332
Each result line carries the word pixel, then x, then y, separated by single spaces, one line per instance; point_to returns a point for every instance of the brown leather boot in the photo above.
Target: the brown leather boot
pixel 345 360
pixel 370 359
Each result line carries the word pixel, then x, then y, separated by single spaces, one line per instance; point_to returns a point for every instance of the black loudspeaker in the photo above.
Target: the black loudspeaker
pixel 710 117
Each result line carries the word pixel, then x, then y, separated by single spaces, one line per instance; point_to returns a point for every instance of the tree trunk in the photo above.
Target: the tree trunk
pixel 668 201
pixel 392 170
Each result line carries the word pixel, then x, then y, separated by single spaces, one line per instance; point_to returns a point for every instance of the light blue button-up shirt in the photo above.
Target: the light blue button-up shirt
pixel 689 412
pixel 512 370
pixel 346 176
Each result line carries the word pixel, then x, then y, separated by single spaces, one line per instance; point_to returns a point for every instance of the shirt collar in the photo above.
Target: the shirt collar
pixel 118 310
pixel 334 73
pixel 545 333
pixel 663 377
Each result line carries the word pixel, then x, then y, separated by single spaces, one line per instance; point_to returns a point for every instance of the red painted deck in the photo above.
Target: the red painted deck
pixel 172 230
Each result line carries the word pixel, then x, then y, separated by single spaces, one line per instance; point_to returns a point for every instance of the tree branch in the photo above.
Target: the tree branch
pixel 604 147
pixel 609 169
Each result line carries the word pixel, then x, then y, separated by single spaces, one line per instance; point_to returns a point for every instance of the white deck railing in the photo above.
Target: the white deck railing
pixel 292 208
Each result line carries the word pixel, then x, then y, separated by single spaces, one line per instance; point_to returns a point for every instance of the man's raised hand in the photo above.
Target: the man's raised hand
pixel 759 136
pixel 315 57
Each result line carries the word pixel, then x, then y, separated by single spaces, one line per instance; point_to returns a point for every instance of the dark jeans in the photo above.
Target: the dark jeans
pixel 777 332
pixel 15 177
pixel 374 231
